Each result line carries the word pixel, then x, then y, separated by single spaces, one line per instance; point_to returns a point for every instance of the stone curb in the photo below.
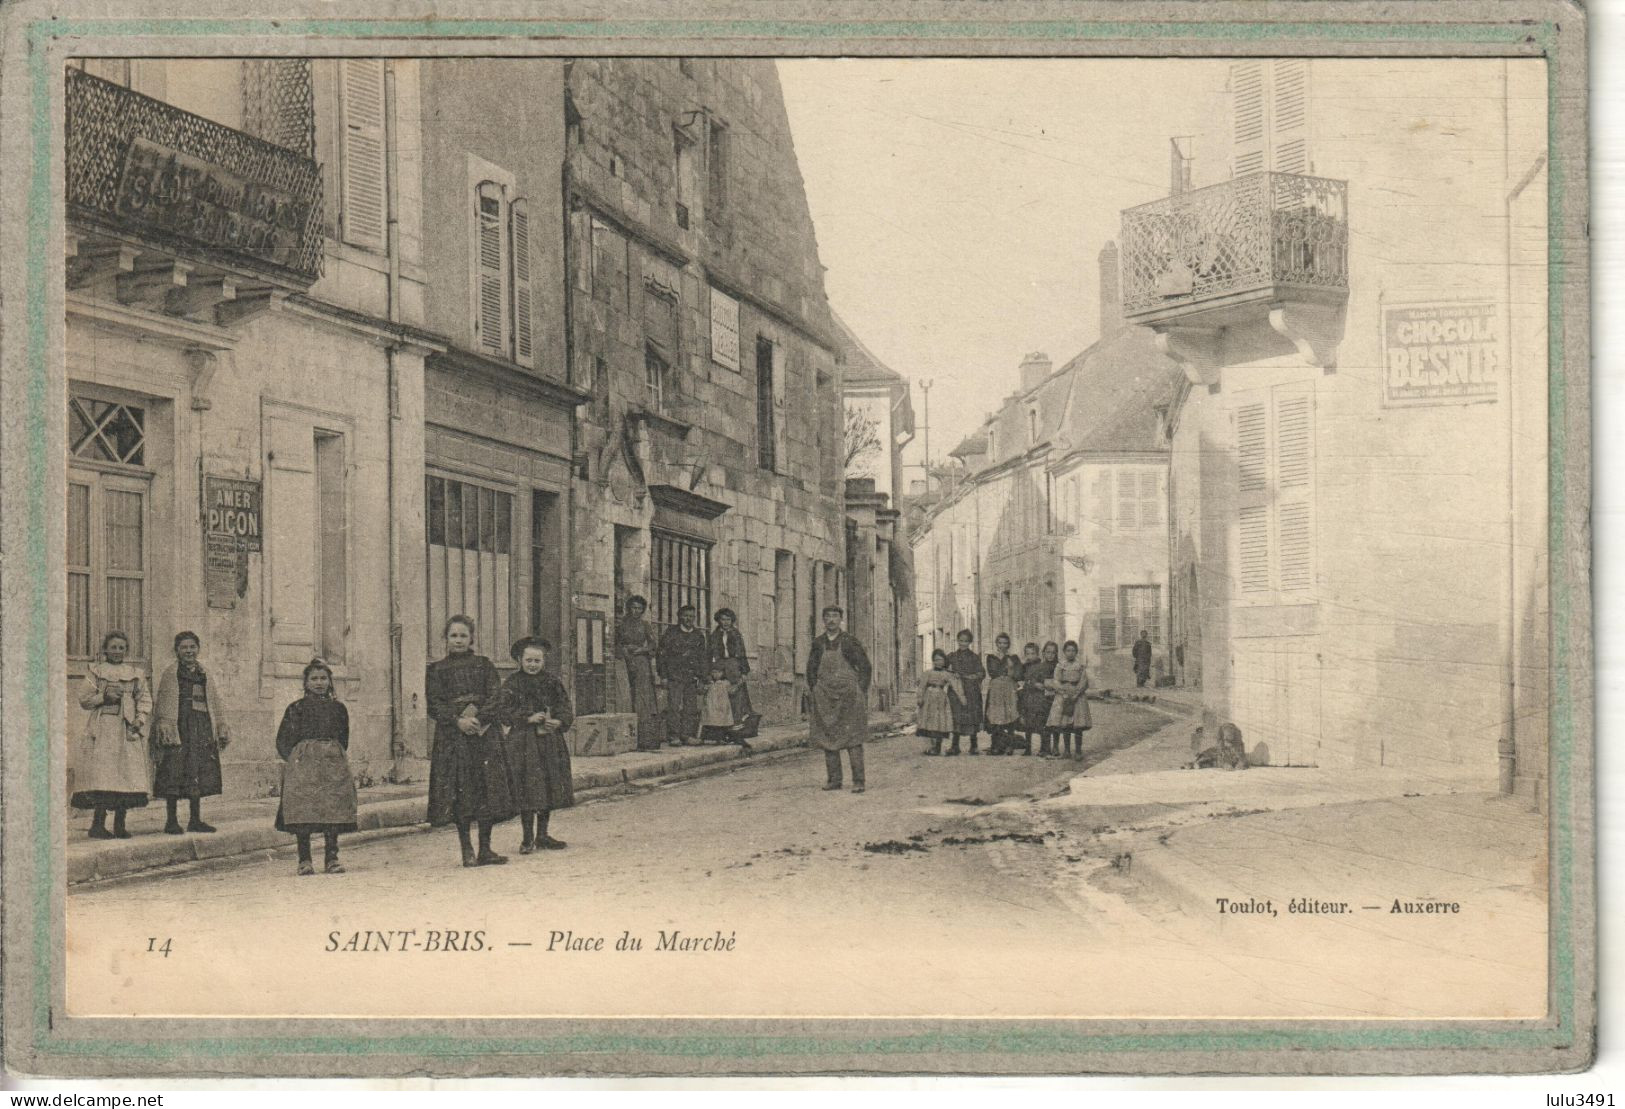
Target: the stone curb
pixel 150 852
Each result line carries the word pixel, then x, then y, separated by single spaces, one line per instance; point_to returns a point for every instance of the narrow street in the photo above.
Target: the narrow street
pixel 823 895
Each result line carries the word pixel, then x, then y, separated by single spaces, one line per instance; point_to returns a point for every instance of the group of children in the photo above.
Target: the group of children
pixel 1037 694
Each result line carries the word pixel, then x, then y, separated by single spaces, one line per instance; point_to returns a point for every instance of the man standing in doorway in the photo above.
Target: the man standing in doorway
pixel 1142 658
pixel 838 678
pixel 683 662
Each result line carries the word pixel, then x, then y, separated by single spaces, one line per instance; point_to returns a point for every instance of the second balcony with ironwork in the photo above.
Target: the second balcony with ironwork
pixel 1211 255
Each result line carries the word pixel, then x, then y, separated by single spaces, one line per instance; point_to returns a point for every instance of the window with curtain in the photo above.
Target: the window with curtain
pixel 470 562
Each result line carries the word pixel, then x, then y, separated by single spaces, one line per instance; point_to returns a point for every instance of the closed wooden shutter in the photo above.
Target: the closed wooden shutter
pixel 524 351
pixel 1293 491
pixel 1249 109
pixel 1106 623
pixel 490 266
pixel 1150 502
pixel 1252 488
pixel 362 168
pixel 1128 500
pixel 1289 115
pixel 290 534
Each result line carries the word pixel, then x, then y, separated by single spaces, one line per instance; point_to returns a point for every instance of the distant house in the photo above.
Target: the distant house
pixel 879 423
pixel 1058 530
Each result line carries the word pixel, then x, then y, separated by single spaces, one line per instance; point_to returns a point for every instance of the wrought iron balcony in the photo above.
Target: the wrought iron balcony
pixel 1269 237
pixel 185 194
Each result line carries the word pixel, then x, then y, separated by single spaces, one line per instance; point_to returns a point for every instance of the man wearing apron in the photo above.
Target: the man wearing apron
pixel 838 677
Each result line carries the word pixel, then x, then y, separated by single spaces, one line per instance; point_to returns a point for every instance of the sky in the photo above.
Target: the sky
pixel 961 204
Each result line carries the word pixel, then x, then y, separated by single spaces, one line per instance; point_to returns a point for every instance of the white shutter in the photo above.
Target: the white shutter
pixel 1150 502
pixel 290 532
pixel 1106 623
pixel 490 266
pixel 1289 116
pixel 1252 489
pixel 1128 502
pixel 523 310
pixel 1293 491
pixel 1249 152
pixel 361 160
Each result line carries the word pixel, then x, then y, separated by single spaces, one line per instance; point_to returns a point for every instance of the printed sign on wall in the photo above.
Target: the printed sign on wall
pixel 232 526
pixel 1441 353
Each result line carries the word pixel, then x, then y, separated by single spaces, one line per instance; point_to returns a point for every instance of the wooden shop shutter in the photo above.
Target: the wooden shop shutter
pixel 1294 487
pixel 362 168
pixel 1128 500
pixel 489 309
pixel 1106 624
pixel 523 308
pixel 1289 115
pixel 1249 152
pixel 290 532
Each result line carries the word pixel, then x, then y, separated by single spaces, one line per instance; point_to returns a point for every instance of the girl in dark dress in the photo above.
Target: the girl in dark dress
pixel 318 790
pixel 968 707
pixel 468 767
pixel 536 709
pixel 1033 701
pixel 191 730
pixel 1000 711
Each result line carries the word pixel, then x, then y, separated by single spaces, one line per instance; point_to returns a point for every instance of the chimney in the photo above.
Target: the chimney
pixel 1111 301
pixel 1034 369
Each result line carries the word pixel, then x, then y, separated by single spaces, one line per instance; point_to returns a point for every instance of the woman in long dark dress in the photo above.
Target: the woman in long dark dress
pixel 318 790
pixel 468 768
pixel 635 643
pixel 535 706
pixel 968 709
pixel 191 732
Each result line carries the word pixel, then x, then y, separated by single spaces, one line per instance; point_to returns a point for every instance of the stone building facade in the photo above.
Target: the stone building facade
pixel 245 384
pixel 707 458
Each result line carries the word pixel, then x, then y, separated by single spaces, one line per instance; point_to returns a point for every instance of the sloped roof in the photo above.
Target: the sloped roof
pixel 861 365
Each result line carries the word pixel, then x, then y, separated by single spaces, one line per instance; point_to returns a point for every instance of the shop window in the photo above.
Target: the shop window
pixel 679 574
pixel 470 562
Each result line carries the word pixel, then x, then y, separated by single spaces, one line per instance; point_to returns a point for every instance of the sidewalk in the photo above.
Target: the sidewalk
pixel 245 827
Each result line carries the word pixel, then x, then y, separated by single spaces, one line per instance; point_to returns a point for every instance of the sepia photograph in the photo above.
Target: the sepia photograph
pixel 786 542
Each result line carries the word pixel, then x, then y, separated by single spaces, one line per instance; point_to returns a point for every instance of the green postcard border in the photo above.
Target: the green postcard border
pixel 1557 1032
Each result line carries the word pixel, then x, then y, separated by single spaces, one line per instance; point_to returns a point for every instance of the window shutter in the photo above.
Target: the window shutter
pixel 1108 618
pixel 361 183
pixel 489 332
pixel 1252 487
pixel 781 408
pixel 523 308
pixel 1289 116
pixel 291 533
pixel 1128 502
pixel 1150 503
pixel 1293 496
pixel 1102 497
pixel 1251 130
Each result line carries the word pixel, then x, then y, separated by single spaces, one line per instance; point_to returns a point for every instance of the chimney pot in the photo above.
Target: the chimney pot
pixel 1034 369
pixel 1111 300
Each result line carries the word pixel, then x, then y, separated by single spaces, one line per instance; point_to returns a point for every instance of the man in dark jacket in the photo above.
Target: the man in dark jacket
pixel 1142 658
pixel 683 663
pixel 838 678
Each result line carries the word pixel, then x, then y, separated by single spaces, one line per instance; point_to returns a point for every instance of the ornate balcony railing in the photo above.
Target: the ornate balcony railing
pixel 138 166
pixel 1263 233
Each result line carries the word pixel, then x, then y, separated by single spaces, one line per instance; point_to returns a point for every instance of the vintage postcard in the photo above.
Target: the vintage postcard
pixel 767 538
